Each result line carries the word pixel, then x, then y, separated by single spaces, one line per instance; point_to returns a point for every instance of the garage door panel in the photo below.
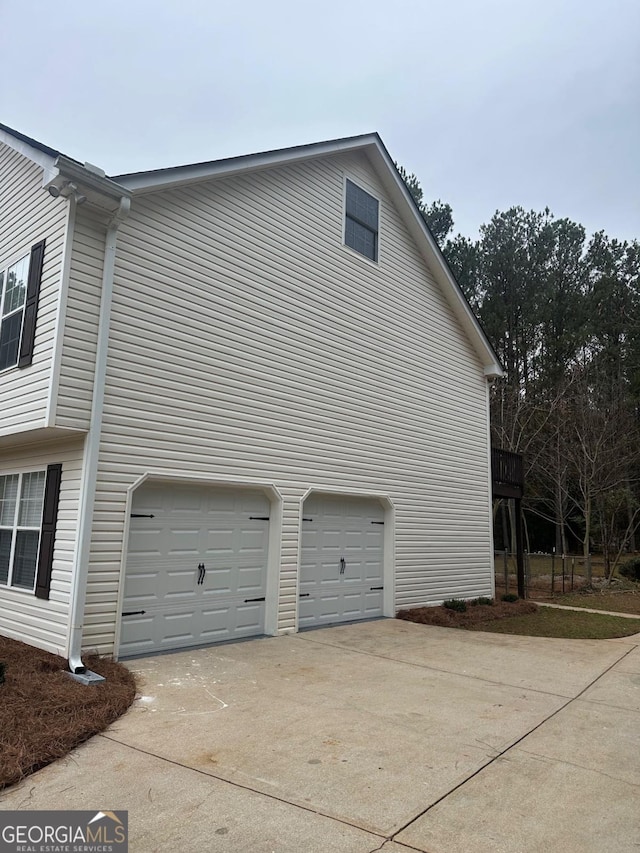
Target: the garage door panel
pixel 373 572
pixel 342 607
pixel 250 580
pixel 249 617
pixel 340 529
pixel 141 588
pixel 316 612
pixel 352 604
pixel 221 544
pixel 187 500
pixel 176 582
pixel 217 582
pixel 193 526
pixel 140 632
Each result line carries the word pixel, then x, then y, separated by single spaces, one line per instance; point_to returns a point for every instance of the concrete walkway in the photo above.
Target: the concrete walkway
pixel 378 736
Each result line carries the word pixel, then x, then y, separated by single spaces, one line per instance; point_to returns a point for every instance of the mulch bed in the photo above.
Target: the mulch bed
pixel 475 613
pixel 44 713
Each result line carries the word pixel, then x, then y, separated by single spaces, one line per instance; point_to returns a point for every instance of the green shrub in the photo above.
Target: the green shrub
pixel 510 596
pixel 3 668
pixel 630 569
pixel 456 604
pixel 484 600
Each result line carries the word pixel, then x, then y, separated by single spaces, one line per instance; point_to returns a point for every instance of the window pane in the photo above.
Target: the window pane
pixel 16 286
pixel 10 329
pixel 30 514
pixel 26 556
pixel 361 239
pixel 362 206
pixel 6 537
pixel 8 495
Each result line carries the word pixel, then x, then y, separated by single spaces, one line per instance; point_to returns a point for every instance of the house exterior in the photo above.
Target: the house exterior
pixel 237 398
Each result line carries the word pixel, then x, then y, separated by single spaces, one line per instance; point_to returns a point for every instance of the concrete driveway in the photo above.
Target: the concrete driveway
pixel 376 736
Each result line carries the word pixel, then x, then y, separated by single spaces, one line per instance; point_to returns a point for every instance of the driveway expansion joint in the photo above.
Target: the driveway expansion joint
pixel 447 671
pixel 600 704
pixel 256 791
pixel 550 760
pixel 503 752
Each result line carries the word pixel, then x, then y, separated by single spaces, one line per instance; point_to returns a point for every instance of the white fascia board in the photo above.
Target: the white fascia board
pixel 177 176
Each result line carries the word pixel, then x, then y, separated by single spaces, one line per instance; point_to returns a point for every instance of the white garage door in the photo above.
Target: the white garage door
pixel 196 567
pixel 342 558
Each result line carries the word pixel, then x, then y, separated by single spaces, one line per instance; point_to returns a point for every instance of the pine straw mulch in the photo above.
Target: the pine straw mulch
pixel 474 614
pixel 44 713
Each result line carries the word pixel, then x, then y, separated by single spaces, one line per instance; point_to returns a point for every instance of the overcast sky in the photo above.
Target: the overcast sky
pixel 491 103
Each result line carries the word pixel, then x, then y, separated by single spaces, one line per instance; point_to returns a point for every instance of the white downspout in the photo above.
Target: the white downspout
pixel 92 447
pixel 492 554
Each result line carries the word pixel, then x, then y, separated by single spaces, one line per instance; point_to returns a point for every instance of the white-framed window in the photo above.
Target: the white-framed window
pixel 13 296
pixel 361 221
pixel 21 506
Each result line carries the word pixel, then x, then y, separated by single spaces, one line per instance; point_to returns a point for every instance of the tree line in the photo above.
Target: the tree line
pixel 562 311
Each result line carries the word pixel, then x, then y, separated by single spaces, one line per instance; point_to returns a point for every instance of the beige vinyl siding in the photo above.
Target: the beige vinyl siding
pixel 29 214
pixel 80 333
pixel 22 615
pixel 247 342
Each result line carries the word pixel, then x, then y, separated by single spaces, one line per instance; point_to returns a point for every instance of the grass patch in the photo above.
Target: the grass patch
pixel 44 714
pixel 550 622
pixel 628 602
pixel 525 617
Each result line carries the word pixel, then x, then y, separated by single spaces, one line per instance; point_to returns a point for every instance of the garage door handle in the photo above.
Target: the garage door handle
pixel 343 565
pixel 201 573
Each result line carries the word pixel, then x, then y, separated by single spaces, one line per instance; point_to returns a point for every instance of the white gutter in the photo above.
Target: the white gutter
pixel 92 447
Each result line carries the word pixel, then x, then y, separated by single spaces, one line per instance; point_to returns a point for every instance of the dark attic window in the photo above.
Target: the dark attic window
pixel 361 222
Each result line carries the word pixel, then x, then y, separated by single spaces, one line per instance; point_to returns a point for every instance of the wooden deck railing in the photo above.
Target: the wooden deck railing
pixel 507 473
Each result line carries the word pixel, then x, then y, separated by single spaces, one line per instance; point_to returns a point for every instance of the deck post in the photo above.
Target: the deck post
pixel 519 548
pixel 507 481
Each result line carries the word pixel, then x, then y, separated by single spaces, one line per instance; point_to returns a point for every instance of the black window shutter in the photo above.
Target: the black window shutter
pixel 48 535
pixel 31 304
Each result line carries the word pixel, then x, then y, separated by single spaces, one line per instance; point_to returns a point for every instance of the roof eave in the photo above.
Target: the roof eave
pixel 177 176
pixel 99 190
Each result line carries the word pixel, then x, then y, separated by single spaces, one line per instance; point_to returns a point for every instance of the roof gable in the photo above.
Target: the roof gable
pixel 371 144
